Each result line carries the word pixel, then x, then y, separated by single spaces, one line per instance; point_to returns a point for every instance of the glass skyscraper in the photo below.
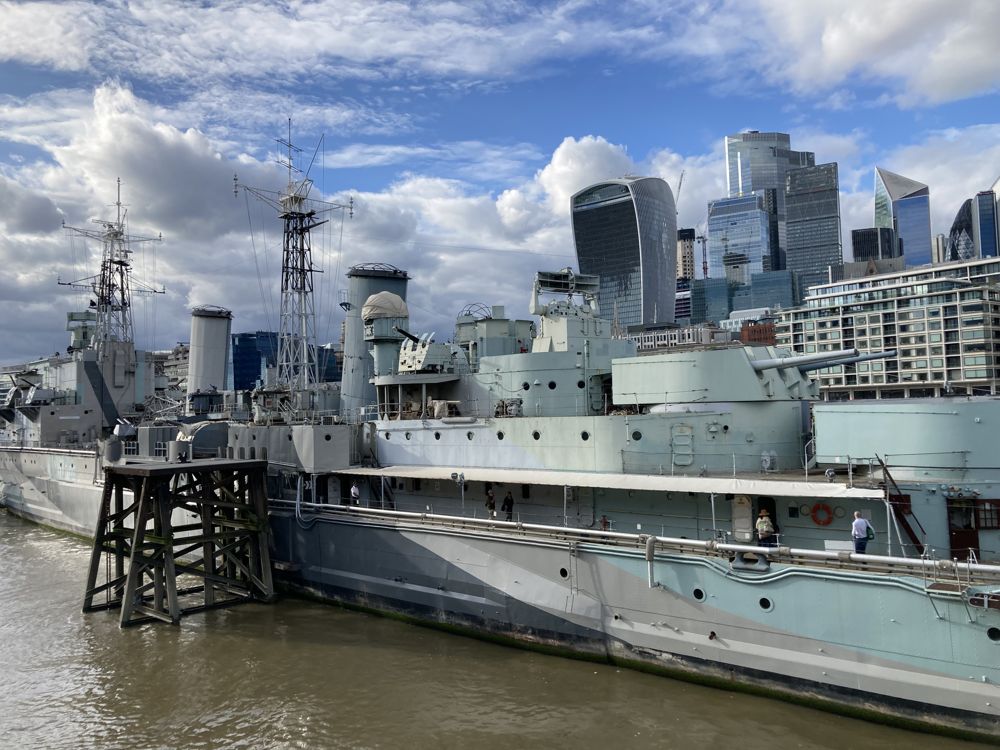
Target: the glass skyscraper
pixel 904 205
pixel 961 246
pixel 812 205
pixel 984 224
pixel 625 231
pixel 738 238
pixel 875 243
pixel 757 163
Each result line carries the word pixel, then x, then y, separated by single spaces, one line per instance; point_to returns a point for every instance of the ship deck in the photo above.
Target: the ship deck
pixel 773 484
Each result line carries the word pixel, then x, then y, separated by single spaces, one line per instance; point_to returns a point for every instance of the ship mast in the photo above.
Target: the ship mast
pixel 297 326
pixel 112 285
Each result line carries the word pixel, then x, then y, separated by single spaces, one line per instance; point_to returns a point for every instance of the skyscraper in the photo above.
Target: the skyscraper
pixel 756 163
pixel 625 231
pixel 738 238
pixel 685 253
pixel 960 243
pixel 875 243
pixel 812 206
pixel 904 205
pixel 984 224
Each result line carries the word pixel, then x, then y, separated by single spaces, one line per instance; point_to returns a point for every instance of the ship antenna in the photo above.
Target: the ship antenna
pixel 112 286
pixel 297 370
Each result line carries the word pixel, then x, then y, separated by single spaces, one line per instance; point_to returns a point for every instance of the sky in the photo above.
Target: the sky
pixel 459 130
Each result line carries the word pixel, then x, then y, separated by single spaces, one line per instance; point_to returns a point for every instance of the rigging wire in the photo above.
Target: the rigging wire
pixel 260 281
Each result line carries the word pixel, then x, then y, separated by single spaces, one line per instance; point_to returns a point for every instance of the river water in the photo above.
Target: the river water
pixel 297 674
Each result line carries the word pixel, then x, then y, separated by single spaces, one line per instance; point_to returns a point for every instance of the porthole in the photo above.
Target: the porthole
pixel 552 385
pixel 499 436
pixel 725 428
pixel 765 604
pixel 253 437
pixel 993 634
pixel 437 435
pixel 699 595
pixel 407 436
pixel 580 384
pixel 387 436
pixel 52 413
pixel 563 572
pixel 585 435
pixel 470 434
pixel 327 438
pixel 526 386
pixel 289 436
pixel 637 435
pixel 536 434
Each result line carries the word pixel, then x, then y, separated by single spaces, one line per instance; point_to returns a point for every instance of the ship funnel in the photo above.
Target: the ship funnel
pixel 364 281
pixel 209 352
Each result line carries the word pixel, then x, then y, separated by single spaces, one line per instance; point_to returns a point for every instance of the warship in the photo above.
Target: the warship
pixel 537 482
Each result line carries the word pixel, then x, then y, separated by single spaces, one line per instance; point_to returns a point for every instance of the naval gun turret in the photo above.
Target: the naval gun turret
pixel 808 362
pixel 422 354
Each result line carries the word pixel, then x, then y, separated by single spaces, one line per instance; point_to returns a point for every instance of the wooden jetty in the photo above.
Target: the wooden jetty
pixel 202 521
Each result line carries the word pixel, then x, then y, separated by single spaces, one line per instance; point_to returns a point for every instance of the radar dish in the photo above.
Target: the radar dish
pixel 477 310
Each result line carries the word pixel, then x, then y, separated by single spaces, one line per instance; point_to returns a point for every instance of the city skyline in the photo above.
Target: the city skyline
pixel 460 133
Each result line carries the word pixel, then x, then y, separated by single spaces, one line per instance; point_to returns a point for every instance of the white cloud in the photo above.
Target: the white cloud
pixel 933 51
pixel 577 163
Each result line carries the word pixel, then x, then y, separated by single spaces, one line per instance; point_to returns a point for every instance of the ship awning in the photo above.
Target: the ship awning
pixel 636 482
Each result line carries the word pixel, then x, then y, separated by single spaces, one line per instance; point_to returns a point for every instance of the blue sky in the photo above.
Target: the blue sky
pixel 460 130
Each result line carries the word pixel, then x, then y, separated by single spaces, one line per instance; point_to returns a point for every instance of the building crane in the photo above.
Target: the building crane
pixel 677 198
pixel 704 255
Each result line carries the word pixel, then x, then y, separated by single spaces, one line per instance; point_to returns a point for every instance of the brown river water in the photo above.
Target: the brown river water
pixel 297 674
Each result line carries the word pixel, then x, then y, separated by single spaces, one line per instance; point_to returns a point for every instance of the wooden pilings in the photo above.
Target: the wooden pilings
pixel 203 523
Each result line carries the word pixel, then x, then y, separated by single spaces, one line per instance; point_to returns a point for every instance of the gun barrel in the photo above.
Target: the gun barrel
pixel 847 360
pixel 406 333
pixel 802 359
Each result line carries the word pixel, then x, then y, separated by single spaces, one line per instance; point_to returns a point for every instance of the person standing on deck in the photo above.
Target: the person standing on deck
pixel 507 506
pixel 491 502
pixel 861 531
pixel 355 494
pixel 765 529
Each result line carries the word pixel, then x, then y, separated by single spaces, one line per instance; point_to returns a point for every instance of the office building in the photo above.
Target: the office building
pixel 682 302
pixel 757 163
pixel 253 353
pixel 941 324
pixel 812 208
pixel 685 253
pixel 874 243
pixel 774 290
pixel 625 232
pixel 738 238
pixel 711 300
pixel 904 205
pixel 984 224
pixel 961 246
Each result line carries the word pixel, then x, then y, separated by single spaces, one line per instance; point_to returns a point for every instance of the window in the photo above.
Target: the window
pixel 988 512
pixel 159 449
pixel 131 447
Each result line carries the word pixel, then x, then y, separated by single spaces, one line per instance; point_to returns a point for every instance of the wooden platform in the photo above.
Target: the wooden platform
pixel 204 522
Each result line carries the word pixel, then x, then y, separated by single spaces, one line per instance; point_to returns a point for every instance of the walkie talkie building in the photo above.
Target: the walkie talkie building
pixel 625 231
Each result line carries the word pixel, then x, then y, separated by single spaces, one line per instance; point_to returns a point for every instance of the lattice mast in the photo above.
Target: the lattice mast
pixel 297 326
pixel 112 286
